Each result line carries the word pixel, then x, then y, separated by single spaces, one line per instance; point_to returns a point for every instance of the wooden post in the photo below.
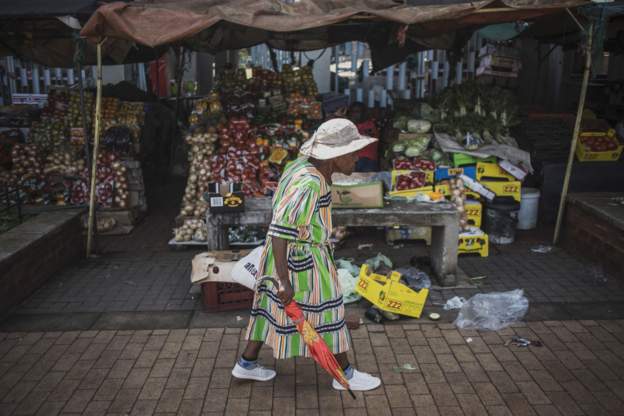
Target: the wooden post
pixel 96 144
pixel 577 128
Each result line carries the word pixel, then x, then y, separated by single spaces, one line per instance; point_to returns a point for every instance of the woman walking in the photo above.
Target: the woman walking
pixel 298 254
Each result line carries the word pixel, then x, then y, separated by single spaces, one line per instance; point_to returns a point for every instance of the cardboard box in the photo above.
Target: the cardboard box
pixel 513 170
pixel 504 188
pixel 492 171
pixel 474 212
pixel 447 173
pixel 474 241
pixel 225 198
pixel 363 195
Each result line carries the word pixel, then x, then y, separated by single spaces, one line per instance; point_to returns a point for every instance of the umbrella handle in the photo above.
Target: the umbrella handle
pixel 269 279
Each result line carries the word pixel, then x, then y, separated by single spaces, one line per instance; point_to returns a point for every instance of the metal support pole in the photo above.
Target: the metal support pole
pixel 577 128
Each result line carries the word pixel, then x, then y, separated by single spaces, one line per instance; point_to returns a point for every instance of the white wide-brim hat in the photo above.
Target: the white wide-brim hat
pixel 334 138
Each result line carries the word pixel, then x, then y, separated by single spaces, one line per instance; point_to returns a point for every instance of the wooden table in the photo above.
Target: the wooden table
pixel 443 219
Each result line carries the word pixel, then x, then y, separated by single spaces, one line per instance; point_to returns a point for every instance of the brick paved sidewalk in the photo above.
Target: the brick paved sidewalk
pixel 579 370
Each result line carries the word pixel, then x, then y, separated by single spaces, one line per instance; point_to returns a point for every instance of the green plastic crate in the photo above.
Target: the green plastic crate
pixel 461 159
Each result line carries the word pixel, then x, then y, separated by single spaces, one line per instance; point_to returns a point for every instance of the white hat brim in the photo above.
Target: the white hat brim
pixel 324 152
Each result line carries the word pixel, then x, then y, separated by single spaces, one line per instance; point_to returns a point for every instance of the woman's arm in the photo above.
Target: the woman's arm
pixel 280 255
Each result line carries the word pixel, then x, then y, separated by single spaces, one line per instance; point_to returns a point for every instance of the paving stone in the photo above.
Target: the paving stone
pixel 170 400
pixel 215 400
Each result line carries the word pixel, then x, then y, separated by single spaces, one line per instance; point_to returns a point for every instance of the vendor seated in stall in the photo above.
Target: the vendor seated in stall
pixel 368 159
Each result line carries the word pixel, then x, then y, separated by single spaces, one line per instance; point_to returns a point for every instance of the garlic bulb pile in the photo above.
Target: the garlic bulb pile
pixel 458 198
pixel 202 147
pixel 122 196
pixel 192 229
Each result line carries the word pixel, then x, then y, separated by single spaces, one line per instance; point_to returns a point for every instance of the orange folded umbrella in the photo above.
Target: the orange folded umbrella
pixel 316 345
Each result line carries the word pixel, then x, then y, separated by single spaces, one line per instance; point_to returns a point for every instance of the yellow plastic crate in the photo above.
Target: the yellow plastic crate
pixel 474 212
pixel 492 170
pixel 504 188
pixel 445 190
pixel 585 155
pixel 389 294
pixel 474 241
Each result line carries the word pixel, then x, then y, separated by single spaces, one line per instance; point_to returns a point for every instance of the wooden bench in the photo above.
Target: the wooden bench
pixel 443 219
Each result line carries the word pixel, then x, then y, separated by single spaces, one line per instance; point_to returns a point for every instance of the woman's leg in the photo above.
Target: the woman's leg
pixel 252 350
pixel 342 359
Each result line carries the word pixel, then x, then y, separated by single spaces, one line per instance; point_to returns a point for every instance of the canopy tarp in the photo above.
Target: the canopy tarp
pixel 44 31
pixel 215 25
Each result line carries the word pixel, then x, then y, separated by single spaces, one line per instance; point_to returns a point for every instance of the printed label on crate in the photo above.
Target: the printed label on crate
pixel 216 201
pixel 447 173
pixel 473 211
pixel 492 170
pixel 473 241
pixel 502 189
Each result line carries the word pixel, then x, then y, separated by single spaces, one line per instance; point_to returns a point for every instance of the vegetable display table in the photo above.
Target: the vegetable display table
pixel 443 219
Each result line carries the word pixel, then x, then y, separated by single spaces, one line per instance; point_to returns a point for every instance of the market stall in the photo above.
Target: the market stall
pixel 45 157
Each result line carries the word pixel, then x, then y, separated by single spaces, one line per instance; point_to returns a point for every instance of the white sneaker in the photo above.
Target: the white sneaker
pixel 360 382
pixel 258 373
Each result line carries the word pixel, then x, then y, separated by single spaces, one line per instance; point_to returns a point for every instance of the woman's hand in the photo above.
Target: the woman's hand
pixel 285 292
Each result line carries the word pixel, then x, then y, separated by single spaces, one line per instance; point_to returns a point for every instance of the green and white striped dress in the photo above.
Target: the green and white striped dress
pixel 301 215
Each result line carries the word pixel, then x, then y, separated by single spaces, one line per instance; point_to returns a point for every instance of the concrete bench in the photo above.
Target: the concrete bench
pixel 33 251
pixel 443 219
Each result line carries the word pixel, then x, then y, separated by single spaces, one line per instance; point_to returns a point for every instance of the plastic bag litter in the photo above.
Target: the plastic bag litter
pixel 455 302
pixel 378 260
pixel 347 283
pixel 493 311
pixel 414 278
pixel 348 264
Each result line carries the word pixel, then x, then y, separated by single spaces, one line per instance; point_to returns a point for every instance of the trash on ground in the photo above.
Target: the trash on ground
pixel 379 260
pixel 343 263
pixel 414 278
pixel 468 340
pixel 455 302
pixel 347 283
pixel 389 315
pixel 387 293
pixel 365 246
pixel 405 368
pixel 543 249
pixel 374 315
pixel 523 342
pixel 239 318
pixel 493 311
pixel 434 316
pixel 479 277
